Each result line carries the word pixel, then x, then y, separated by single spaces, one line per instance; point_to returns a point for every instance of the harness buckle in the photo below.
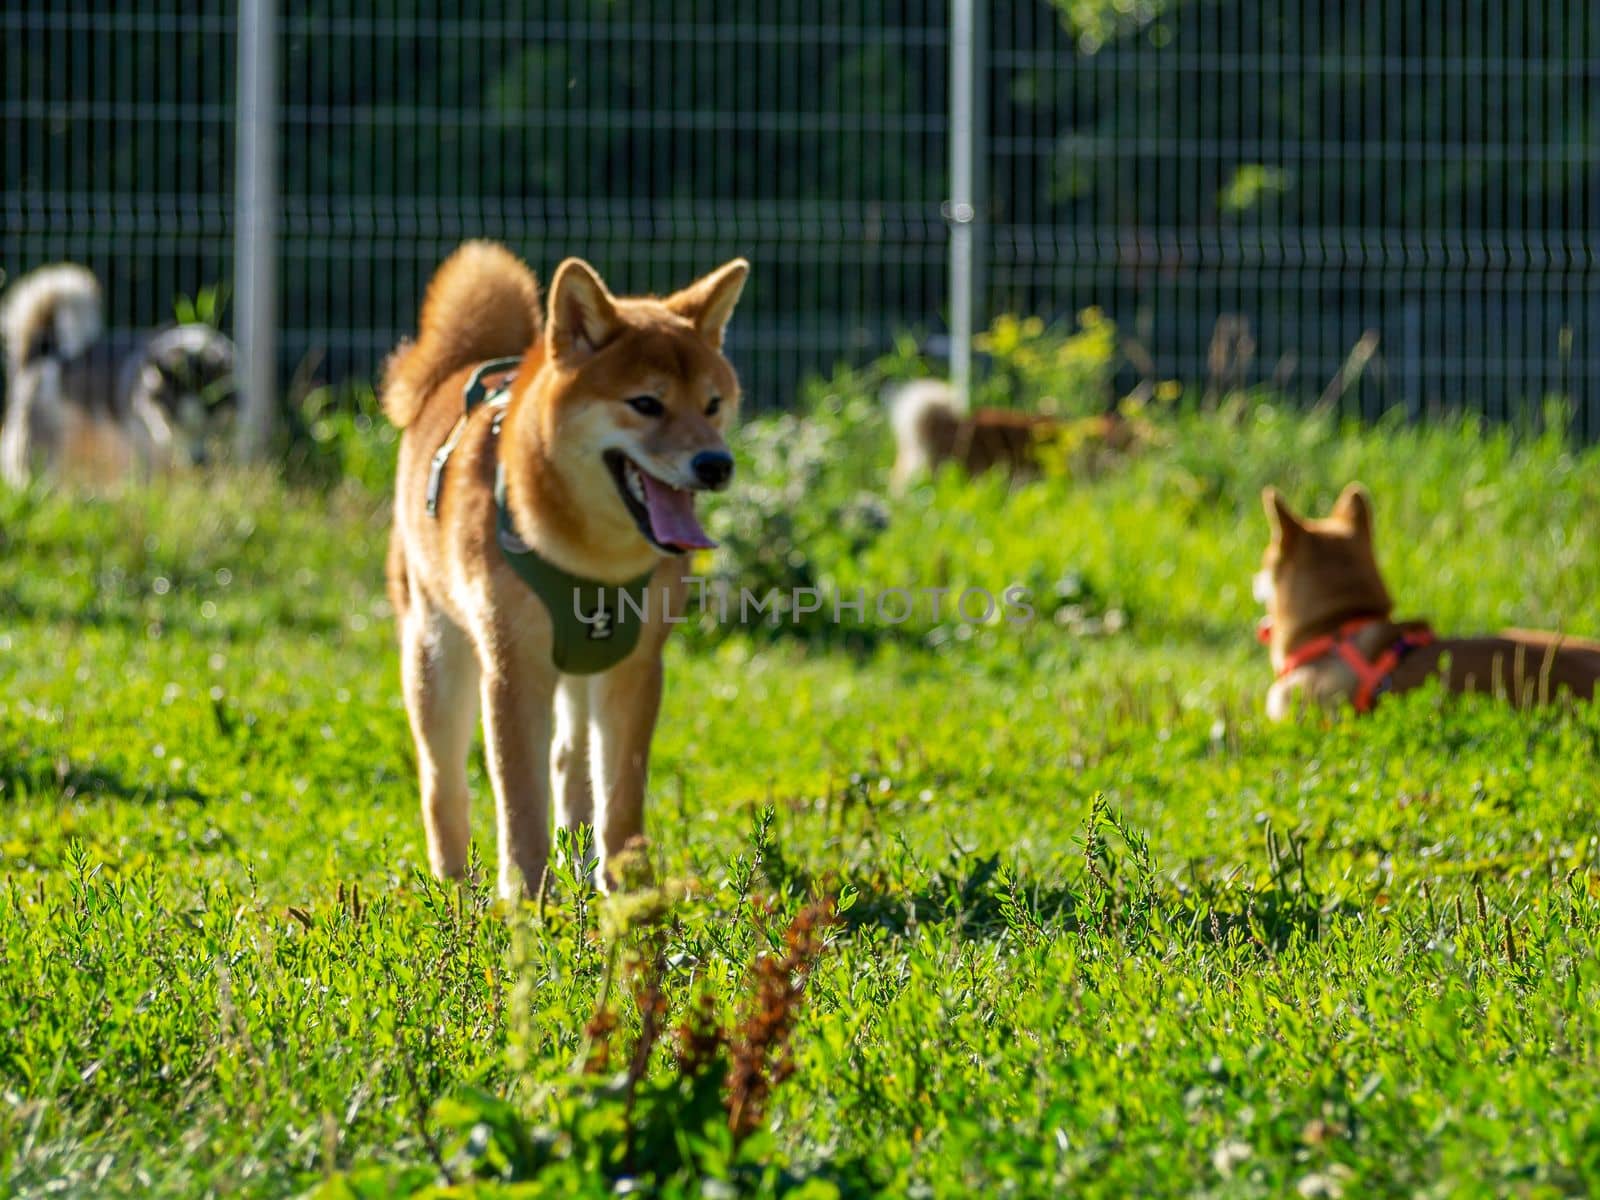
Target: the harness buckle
pixel 477 392
pixel 440 457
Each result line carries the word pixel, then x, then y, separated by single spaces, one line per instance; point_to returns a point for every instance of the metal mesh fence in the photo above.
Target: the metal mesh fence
pixel 1246 188
pixel 118 149
pixel 1275 191
pixel 652 138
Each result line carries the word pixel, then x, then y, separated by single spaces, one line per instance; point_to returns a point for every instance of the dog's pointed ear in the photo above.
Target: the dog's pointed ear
pixel 709 301
pixel 583 314
pixel 1354 508
pixel 1285 525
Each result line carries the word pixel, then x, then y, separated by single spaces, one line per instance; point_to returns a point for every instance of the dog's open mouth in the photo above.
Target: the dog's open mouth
pixel 663 513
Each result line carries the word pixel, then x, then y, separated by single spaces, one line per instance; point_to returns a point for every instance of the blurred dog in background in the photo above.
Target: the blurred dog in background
pixel 930 428
pixel 84 406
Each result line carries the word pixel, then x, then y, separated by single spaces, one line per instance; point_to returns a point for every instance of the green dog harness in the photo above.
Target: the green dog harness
pixel 593 625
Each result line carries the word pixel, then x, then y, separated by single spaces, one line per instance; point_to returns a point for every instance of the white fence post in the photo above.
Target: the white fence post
pixel 255 201
pixel 961 209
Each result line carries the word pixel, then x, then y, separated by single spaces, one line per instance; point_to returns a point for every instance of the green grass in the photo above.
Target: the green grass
pixel 1359 959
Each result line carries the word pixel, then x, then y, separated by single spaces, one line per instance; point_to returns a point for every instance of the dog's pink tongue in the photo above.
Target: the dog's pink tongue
pixel 672 518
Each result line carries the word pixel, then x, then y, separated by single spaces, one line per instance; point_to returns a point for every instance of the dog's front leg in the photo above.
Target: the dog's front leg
pixel 569 760
pixel 623 704
pixel 516 734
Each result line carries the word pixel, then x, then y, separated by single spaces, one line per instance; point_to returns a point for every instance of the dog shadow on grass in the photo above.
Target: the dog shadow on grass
pixel 36 773
pixel 973 894
pixel 979 897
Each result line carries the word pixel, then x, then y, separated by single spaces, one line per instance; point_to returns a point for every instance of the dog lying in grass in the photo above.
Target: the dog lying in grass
pixel 1333 641
pixel 521 521
pixel 930 429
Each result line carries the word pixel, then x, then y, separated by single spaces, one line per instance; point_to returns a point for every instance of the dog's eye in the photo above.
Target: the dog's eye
pixel 646 406
pixel 713 406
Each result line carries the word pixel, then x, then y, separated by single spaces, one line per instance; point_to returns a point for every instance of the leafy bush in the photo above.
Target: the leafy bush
pixel 206 307
pixel 808 504
pixel 802 500
pixel 1025 363
pixel 1043 369
pixel 340 435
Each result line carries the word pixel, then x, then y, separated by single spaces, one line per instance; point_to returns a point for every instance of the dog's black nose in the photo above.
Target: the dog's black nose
pixel 713 468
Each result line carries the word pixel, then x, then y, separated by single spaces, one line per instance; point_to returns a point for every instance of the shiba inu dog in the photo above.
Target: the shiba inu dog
pixel 581 478
pixel 1333 641
pixel 930 429
pixel 82 406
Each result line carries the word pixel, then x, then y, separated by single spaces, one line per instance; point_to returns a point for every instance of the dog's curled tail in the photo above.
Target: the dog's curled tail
pixel 924 416
pixel 53 312
pixel 483 302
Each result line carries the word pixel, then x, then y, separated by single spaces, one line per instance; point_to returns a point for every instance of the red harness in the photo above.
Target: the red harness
pixel 1372 677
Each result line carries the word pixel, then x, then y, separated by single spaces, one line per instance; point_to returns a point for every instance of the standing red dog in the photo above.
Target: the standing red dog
pixel 580 482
